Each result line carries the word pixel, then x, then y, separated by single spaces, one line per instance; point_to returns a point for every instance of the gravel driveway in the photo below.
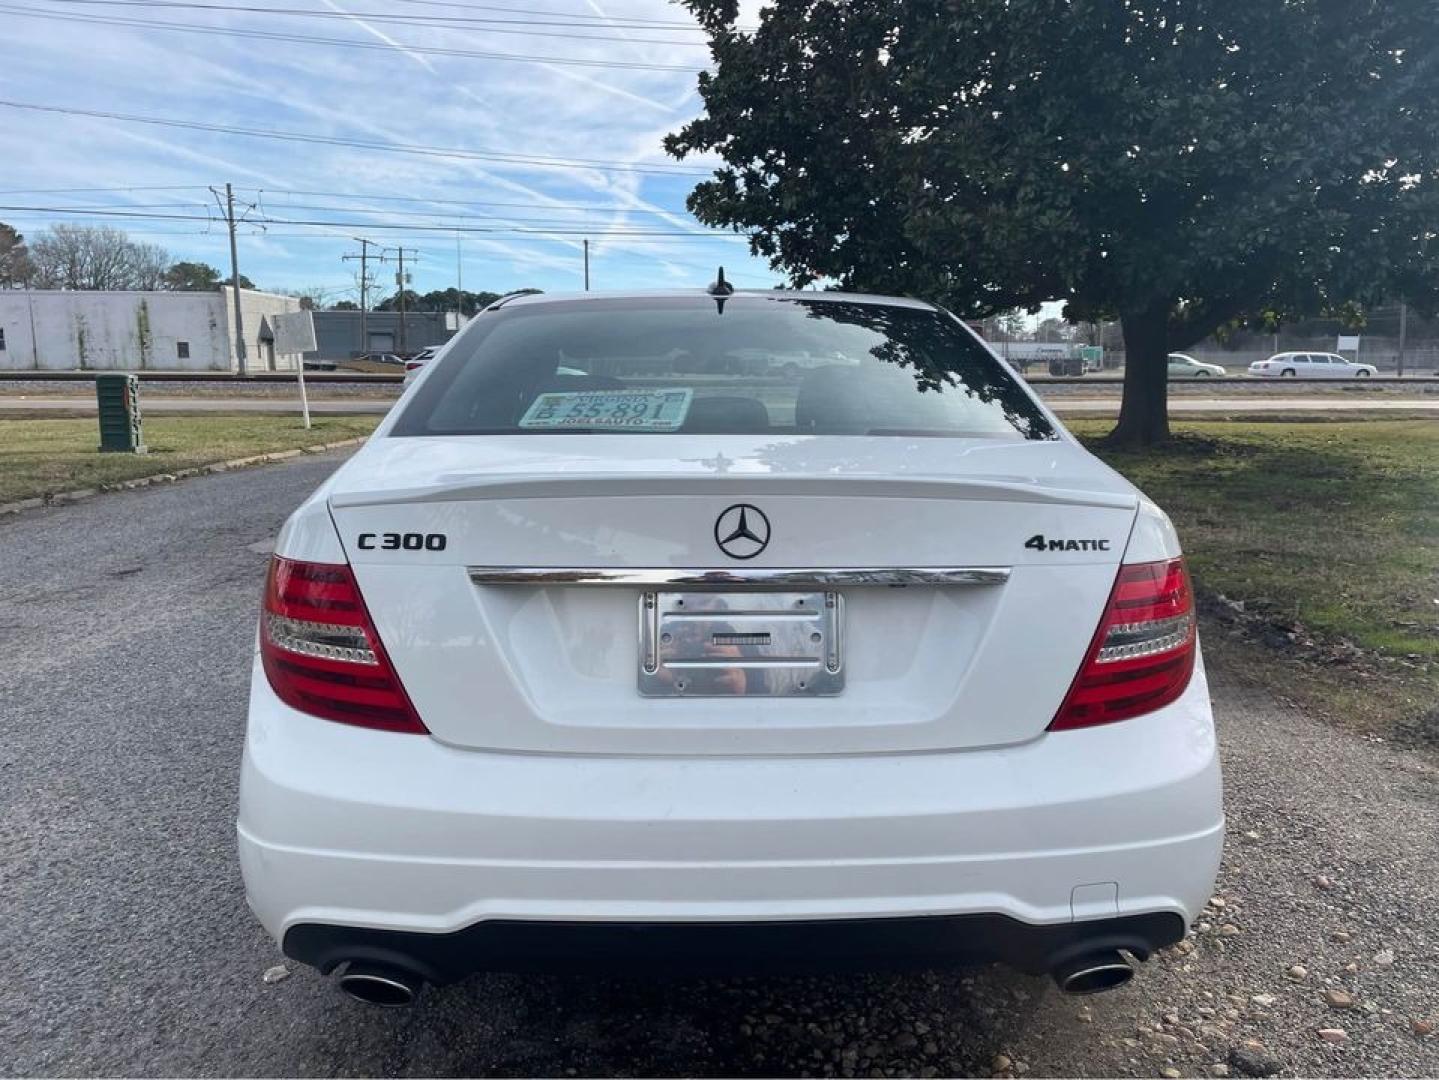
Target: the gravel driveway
pixel 125 626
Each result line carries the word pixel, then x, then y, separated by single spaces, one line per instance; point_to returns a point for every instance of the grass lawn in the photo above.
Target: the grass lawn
pixel 43 456
pixel 1327 534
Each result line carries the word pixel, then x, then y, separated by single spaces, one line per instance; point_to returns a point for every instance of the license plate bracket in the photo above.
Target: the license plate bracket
pixel 741 644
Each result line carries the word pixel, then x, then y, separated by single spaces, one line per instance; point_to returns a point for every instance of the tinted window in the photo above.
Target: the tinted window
pixel 680 364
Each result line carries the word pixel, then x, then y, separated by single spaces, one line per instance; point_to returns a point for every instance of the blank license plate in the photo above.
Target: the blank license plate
pixel 741 644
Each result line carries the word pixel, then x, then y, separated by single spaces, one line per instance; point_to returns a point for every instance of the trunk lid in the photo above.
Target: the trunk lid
pixel 556 667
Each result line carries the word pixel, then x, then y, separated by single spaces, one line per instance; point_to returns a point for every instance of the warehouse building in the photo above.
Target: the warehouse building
pixel 344 335
pixel 56 330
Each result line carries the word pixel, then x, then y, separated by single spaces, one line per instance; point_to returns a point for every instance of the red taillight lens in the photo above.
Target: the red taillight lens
pixel 414 365
pixel 321 652
pixel 1143 654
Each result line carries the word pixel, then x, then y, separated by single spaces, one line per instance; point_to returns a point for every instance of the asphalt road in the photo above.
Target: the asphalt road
pixel 1062 403
pixel 126 624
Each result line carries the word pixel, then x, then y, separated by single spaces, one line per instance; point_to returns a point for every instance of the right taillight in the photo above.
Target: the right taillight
pixel 1143 653
pixel 321 653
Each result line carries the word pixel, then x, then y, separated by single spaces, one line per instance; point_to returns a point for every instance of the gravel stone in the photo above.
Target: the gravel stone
pixel 1249 1062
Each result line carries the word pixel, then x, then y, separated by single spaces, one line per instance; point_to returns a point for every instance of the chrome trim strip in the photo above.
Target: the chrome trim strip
pixel 656 577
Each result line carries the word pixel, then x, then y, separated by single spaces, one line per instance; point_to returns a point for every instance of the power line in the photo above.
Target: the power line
pixel 289 206
pixel 558 14
pixel 192 203
pixel 568 230
pixel 345 43
pixel 363 144
pixel 360 195
pixel 108 190
pixel 353 209
pixel 616 207
pixel 331 228
pixel 489 25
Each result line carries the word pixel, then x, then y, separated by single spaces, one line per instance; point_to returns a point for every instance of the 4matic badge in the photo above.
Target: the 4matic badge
pixel 1040 542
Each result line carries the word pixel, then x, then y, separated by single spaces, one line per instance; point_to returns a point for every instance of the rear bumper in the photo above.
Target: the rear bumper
pixel 729 948
pixel 382 841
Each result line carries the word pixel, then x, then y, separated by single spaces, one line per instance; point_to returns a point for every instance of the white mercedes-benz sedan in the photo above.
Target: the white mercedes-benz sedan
pixel 630 641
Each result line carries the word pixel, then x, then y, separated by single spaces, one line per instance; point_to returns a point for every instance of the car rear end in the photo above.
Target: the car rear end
pixel 415 364
pixel 868 663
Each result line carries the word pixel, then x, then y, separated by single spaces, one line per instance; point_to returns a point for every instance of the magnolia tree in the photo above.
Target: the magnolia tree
pixel 1176 164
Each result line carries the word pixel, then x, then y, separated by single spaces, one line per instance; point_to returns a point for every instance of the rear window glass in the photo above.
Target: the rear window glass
pixel 783 365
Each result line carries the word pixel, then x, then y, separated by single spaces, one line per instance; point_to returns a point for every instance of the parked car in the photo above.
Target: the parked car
pixel 381 358
pixel 418 361
pixel 872 664
pixel 1310 365
pixel 1182 366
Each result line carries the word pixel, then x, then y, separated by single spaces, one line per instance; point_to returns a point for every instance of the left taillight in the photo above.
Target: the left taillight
pixel 1142 656
pixel 321 653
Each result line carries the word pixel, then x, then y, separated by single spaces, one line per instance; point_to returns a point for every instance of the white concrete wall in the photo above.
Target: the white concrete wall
pixel 123 331
pixel 260 354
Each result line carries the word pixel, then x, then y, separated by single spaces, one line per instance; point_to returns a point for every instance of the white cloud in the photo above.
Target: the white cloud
pixel 390 95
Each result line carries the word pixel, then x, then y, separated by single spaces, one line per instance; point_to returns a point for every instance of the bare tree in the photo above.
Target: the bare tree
pixel 95 258
pixel 148 263
pixel 311 297
pixel 15 266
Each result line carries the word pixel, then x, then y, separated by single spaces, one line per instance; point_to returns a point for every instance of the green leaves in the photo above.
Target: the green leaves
pixel 1207 158
pixel 994 154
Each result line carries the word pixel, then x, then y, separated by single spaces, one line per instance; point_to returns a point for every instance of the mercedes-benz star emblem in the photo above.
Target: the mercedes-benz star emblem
pixel 742 531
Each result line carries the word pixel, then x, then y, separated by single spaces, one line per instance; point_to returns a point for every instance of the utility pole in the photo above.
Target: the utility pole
pixel 459 286
pixel 587 264
pixel 401 281
pixel 227 208
pixel 364 257
pixel 1403 333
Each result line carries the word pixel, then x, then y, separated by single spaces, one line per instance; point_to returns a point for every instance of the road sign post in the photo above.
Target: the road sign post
pixel 295 333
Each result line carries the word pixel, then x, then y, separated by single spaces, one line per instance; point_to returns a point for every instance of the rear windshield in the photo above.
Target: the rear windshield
pixel 681 364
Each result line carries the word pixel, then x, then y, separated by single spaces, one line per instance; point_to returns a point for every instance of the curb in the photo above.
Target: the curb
pixel 62 498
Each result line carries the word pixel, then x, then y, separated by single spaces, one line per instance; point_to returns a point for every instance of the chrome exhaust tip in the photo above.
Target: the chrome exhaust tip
pixel 1093 973
pixel 387 987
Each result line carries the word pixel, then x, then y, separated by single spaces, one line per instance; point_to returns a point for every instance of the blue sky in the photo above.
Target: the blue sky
pixel 57 53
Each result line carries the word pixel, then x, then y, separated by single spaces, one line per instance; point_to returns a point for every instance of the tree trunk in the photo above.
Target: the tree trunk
pixel 1144 411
